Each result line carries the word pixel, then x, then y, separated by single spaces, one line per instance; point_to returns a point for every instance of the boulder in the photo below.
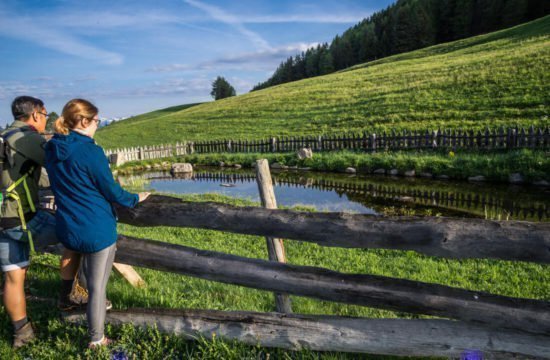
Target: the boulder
pixel 516 178
pixel 305 169
pixel 305 153
pixel 179 168
pixel 237 166
pixel 350 170
pixel 117 159
pixel 394 172
pixel 443 177
pixel 478 178
pixel 148 167
pixel 221 164
pixel 410 173
pixel 278 166
pixel 426 175
pixel 379 171
pixel 541 183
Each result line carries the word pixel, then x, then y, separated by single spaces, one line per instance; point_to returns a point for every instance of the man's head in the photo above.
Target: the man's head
pixel 30 110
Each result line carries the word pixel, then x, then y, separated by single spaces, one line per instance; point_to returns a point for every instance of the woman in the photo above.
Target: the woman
pixel 84 189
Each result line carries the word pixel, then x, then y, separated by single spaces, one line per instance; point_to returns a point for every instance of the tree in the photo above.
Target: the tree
pixel 222 89
pixel 52 117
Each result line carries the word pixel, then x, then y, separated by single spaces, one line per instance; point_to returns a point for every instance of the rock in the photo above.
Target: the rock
pixel 278 166
pixel 305 169
pixel 178 168
pixel 410 173
pixel 221 164
pixel 379 171
pixel 394 172
pixel 157 166
pixel 405 198
pixel 541 183
pixel 148 167
pixel 443 177
pixel 516 178
pixel 165 164
pixel 351 170
pixel 426 175
pixel 117 159
pixel 478 178
pixel 237 166
pixel 253 165
pixel 305 153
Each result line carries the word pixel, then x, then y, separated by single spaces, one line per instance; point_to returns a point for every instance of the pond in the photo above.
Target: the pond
pixel 366 194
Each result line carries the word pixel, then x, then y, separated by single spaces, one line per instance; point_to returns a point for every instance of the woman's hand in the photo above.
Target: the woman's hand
pixel 143 196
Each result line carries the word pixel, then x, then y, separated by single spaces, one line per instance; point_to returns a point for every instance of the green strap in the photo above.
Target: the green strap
pixel 12 193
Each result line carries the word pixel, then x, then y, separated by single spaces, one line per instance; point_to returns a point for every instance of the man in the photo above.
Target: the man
pixel 20 222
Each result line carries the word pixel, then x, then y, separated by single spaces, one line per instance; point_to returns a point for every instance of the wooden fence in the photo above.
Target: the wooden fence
pixel 490 139
pixel 499 326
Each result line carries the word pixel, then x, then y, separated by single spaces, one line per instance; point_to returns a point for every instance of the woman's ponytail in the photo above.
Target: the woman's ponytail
pixel 60 126
pixel 73 113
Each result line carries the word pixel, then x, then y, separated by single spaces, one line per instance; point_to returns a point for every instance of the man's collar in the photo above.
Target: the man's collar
pixel 20 124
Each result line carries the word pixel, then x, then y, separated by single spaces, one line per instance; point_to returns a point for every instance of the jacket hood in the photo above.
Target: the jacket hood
pixel 61 147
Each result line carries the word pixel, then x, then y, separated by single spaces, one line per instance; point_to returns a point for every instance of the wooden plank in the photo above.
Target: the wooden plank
pixel 435 236
pixel 367 290
pixel 130 275
pixel 331 333
pixel 275 247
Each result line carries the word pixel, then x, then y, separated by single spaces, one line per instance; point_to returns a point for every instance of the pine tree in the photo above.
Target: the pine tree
pixel 222 89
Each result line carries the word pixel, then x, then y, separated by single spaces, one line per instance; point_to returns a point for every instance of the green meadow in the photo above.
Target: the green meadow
pixel 492 80
pixel 164 290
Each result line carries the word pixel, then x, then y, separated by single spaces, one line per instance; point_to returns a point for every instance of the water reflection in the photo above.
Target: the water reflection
pixel 364 194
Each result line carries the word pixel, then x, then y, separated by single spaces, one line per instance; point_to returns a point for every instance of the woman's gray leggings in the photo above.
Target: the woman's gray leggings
pixel 97 268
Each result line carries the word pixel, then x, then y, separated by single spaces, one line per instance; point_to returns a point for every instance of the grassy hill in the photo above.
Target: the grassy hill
pixel 501 78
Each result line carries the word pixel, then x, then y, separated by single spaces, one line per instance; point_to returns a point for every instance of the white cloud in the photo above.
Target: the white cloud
pixel 223 16
pixel 259 60
pixel 49 37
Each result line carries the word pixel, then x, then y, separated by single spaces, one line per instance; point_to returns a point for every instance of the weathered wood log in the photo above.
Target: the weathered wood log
pixel 131 275
pixel 367 290
pixel 331 333
pixel 435 236
pixel 275 247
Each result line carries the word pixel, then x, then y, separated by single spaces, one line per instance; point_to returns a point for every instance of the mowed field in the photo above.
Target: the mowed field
pixel 497 79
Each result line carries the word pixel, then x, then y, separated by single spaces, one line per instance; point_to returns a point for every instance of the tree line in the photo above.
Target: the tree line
pixel 404 26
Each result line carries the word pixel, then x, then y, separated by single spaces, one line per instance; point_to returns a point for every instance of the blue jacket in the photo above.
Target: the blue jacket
pixel 84 190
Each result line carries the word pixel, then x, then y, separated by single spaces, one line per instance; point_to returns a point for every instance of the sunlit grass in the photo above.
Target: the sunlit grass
pixel 498 79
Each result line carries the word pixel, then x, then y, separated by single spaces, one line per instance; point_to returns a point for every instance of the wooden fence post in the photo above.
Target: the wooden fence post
pixel 275 246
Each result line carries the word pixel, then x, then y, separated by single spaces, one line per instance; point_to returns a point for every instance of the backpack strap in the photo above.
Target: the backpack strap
pixel 13 194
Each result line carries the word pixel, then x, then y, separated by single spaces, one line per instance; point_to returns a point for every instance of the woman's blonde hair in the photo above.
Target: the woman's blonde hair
pixel 73 113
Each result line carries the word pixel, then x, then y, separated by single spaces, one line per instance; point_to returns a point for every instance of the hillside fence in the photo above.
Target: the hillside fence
pixel 499 326
pixel 489 139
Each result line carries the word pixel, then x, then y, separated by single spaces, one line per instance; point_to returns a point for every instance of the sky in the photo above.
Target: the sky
pixel 130 57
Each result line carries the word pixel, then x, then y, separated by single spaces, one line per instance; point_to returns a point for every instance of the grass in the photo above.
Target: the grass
pixel 57 340
pixel 495 166
pixel 497 79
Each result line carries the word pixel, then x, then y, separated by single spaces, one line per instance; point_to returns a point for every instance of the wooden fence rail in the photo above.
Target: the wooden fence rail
pixel 524 315
pixel 489 139
pixel 500 326
pixel 331 333
pixel 446 237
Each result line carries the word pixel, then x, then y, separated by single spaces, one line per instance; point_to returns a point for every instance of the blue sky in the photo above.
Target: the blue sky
pixel 130 57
